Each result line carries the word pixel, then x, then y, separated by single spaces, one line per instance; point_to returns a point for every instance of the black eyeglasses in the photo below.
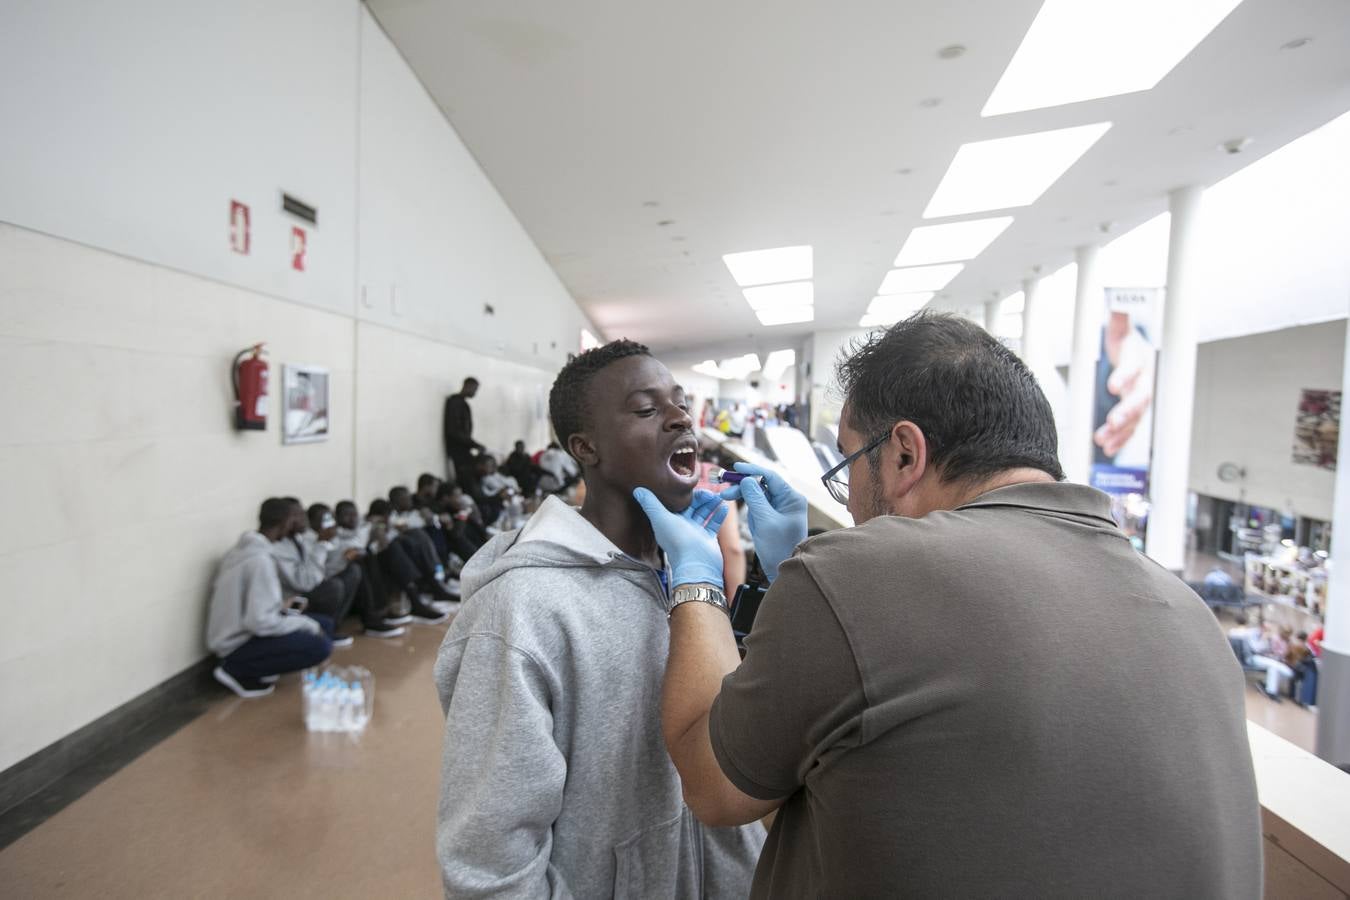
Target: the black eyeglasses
pixel 836 480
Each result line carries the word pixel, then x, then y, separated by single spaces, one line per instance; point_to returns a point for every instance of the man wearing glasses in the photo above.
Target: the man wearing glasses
pixel 979 690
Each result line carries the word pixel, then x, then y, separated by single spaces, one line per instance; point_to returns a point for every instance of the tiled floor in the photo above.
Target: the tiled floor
pixel 243 802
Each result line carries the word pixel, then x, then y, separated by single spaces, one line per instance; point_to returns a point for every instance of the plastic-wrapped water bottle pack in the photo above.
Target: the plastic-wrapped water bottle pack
pixel 337 698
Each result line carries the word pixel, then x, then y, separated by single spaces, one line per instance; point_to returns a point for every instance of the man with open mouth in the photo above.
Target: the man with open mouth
pixel 555 778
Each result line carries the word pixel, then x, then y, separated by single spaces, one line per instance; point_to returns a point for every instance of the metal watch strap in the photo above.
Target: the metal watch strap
pixel 690 594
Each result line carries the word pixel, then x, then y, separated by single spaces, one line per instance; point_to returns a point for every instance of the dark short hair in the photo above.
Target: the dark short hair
pixel 569 400
pixel 425 479
pixel 294 501
pixel 379 508
pixel 343 504
pixel 397 489
pixel 470 381
pixel 979 407
pixel 315 515
pixel 274 512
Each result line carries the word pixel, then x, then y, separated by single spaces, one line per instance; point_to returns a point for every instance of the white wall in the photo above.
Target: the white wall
pixel 128 129
pixel 122 477
pixel 1246 398
pixel 435 232
pixel 130 126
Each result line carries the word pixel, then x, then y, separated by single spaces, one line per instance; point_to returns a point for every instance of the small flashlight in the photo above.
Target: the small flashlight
pixel 723 476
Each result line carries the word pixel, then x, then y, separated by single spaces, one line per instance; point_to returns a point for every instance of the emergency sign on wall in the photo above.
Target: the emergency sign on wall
pixel 239 227
pixel 299 243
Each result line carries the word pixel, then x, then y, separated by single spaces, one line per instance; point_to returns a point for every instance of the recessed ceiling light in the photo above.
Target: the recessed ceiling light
pixel 949 243
pixel 905 171
pixel 780 296
pixel 952 52
pixel 786 316
pixel 650 203
pixel 1004 173
pixel 770 266
pixel 923 278
pixel 1235 146
pixel 1084 49
pixel 930 102
pixel 1296 43
pixel 664 222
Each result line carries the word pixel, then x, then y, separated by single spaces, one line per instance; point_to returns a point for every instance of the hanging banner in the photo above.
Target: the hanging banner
pixel 1122 414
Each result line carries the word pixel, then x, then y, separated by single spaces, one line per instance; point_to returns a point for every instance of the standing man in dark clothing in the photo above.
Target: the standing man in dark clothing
pixel 457 426
pixel 1050 755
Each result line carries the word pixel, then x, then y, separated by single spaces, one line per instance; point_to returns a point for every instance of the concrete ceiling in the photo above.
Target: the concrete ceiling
pixel 637 143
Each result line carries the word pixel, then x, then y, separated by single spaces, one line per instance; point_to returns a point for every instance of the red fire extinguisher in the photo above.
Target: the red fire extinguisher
pixel 250 389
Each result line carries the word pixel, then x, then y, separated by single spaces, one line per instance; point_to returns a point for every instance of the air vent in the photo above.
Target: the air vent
pixel 300 210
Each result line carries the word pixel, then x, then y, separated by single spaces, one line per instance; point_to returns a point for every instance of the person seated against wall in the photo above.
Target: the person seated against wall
pixel 520 467
pixel 408 561
pixel 560 471
pixel 425 501
pixel 466 520
pixel 499 494
pixel 344 548
pixel 300 564
pixel 253 628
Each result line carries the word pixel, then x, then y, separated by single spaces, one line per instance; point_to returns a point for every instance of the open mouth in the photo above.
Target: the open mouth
pixel 684 462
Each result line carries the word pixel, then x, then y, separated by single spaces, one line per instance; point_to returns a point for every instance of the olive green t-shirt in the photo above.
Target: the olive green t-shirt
pixel 1005 699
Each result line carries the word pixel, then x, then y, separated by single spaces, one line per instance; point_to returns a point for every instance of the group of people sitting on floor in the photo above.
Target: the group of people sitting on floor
pixel 283 591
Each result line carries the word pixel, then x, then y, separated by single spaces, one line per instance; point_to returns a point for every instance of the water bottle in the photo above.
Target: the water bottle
pixel 345 710
pixel 358 706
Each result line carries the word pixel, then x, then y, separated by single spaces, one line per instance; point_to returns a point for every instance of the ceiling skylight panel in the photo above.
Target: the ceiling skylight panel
pixel 1009 172
pixel 786 316
pixel 951 242
pixel 921 278
pixel 778 296
pixel 770 266
pixel 1085 49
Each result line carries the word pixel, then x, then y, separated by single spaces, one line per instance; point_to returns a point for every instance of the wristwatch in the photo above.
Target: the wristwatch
pixel 688 593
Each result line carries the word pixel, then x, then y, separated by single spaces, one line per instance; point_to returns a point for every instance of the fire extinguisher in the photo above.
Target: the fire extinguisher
pixel 250 389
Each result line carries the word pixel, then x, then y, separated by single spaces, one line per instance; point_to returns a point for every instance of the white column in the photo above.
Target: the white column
pixel 1076 454
pixel 1035 340
pixel 1174 398
pixel 991 313
pixel 1333 682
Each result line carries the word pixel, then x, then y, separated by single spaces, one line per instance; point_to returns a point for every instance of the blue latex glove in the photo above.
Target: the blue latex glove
pixel 690 537
pixel 777 515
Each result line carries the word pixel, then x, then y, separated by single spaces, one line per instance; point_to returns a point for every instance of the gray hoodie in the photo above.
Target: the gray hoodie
pixel 554 776
pixel 300 562
pixel 246 599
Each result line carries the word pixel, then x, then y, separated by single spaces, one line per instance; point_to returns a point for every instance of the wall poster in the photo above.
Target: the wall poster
pixel 1317 429
pixel 304 404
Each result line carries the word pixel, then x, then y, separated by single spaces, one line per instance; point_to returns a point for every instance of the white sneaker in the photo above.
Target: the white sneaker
pixel 269 679
pixel 248 693
pixel 448 607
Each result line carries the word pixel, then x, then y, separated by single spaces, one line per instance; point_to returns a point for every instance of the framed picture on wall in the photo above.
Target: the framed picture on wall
pixel 304 404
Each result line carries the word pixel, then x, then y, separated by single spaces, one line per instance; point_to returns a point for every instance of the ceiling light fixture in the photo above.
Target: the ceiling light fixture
pixel 786 316
pixel 951 242
pixel 916 280
pixel 1009 172
pixel 770 266
pixel 1086 49
pixel 780 296
pixel 887 310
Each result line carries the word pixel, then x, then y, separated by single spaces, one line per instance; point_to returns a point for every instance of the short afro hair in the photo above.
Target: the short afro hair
pixel 569 401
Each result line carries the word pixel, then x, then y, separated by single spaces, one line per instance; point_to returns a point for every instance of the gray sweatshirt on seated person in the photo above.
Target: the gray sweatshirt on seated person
pixel 300 562
pixel 555 780
pixel 246 599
